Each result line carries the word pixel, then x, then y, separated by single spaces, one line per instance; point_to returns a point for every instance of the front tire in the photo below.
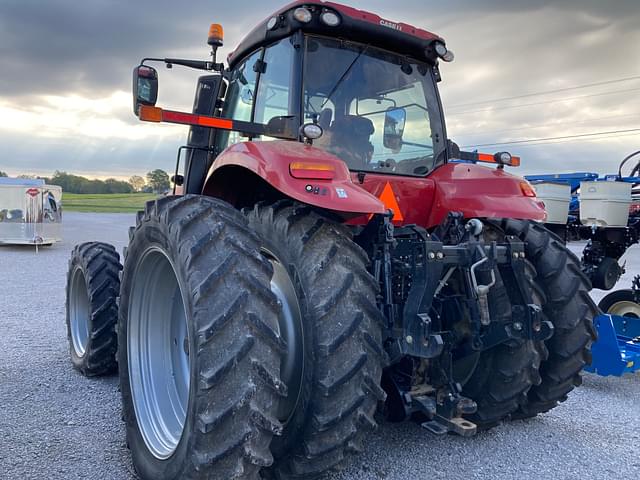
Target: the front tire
pixel 340 338
pixel 198 344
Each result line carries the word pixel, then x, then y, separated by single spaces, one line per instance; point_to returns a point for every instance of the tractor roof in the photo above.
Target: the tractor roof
pixel 355 25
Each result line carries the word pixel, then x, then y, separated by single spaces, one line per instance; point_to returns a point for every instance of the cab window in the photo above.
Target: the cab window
pixel 379 110
pixel 239 101
pixel 275 84
pixel 405 156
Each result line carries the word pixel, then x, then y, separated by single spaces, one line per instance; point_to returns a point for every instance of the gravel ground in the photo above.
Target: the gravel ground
pixel 55 424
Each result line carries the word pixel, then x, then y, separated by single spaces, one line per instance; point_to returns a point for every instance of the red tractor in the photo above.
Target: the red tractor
pixel 331 254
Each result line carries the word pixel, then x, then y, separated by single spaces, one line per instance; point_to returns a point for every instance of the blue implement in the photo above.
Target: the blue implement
pixel 572 179
pixel 617 350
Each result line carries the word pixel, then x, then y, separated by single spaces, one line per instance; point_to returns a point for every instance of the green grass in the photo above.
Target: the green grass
pixel 107 203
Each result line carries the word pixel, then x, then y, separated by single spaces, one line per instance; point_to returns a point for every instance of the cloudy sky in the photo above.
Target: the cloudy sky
pixel 524 70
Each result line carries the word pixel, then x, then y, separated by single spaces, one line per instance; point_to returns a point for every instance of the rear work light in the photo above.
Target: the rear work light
pixel 504 158
pixel 302 14
pixel 330 19
pixel 527 189
pixel 312 170
pixel 311 131
pixel 501 158
pixel 272 23
pixel 443 52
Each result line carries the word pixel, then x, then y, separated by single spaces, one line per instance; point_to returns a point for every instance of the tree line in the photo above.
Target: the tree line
pixel 157 181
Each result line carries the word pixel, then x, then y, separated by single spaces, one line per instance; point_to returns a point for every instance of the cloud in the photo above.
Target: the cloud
pixel 70 46
pixel 509 53
pixel 63 46
pixel 64 91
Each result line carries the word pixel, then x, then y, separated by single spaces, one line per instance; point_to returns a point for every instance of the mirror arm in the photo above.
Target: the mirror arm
pixel 197 64
pixel 149 113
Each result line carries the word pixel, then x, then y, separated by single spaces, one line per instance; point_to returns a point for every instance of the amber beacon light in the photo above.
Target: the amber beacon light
pixel 216 35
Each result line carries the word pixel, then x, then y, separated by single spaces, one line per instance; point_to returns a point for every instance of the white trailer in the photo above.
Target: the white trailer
pixel 30 212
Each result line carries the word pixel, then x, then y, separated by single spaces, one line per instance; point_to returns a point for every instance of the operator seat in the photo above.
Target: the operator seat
pixel 349 140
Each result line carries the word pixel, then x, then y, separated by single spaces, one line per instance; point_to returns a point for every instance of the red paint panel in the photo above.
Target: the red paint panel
pixel 215 122
pixel 171 116
pixel 272 160
pixel 474 190
pixel 377 20
pixel 483 192
pixel 414 196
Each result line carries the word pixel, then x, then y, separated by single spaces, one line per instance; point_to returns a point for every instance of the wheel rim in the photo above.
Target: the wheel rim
pixel 158 353
pixel 625 309
pixel 291 330
pixel 79 312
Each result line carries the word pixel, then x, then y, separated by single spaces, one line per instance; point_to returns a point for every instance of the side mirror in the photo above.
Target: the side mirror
pixel 145 86
pixel 394 121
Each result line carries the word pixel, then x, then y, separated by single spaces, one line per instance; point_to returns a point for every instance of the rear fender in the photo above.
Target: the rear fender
pixel 250 171
pixel 481 192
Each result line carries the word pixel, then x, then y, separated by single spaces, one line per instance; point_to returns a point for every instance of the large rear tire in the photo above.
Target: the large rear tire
pixel 505 373
pixel 569 307
pixel 93 285
pixel 340 338
pixel 198 343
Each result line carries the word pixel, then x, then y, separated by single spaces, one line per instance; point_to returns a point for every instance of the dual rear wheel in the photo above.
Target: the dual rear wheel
pixel 245 339
pixel 199 343
pixel 338 341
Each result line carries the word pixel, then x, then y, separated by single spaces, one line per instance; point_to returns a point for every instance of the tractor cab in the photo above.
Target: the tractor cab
pixel 377 108
pixel 358 94
pixel 349 83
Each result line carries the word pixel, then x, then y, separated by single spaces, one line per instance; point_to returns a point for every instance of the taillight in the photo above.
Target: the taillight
pixel 527 189
pixel 312 170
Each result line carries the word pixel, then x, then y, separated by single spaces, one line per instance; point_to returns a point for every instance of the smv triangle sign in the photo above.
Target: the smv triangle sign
pixel 388 197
